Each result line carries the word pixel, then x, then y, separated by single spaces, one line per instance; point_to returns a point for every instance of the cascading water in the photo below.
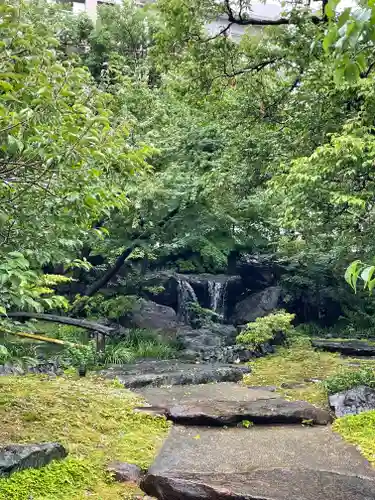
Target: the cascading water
pixel 186 296
pixel 217 292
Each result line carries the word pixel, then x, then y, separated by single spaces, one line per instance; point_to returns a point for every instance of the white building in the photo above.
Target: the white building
pixel 269 11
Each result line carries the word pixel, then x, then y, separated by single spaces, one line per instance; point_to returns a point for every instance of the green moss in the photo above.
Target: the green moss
pixel 92 418
pixel 300 363
pixel 360 431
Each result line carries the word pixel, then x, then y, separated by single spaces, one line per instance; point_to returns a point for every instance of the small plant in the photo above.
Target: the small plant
pixel 247 423
pixel 154 290
pixel 264 329
pixel 308 422
pixel 348 379
pixel 4 354
pixel 81 356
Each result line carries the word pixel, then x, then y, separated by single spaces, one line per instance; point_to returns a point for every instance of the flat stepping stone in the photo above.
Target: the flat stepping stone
pixel 229 404
pixel 259 463
pixel 223 391
pixel 173 372
pixel 346 347
pixel 268 411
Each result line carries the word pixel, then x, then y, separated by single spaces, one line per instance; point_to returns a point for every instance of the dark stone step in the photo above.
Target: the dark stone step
pixel 173 372
pixel 261 484
pixel 262 412
pixel 259 463
pixel 346 347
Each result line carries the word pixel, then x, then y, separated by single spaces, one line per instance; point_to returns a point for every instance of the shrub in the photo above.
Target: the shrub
pixel 348 379
pixel 82 355
pixel 264 329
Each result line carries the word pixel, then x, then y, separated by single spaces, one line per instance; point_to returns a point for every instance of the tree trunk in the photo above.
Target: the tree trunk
pixel 112 271
pixel 65 320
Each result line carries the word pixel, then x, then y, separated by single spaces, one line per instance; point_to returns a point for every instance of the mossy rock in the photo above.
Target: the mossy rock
pixel 92 418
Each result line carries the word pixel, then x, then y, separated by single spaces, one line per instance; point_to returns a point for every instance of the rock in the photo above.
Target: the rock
pixel 256 271
pixel 162 288
pixel 229 404
pixel 173 372
pixel 124 472
pixel 193 394
pixel 270 411
pixel 353 401
pixel 17 457
pixel 45 367
pixel 216 335
pixel 152 316
pixel 257 305
pixel 266 484
pixel 292 385
pixel 273 463
pixel 9 369
pixel 346 347
pixel 227 354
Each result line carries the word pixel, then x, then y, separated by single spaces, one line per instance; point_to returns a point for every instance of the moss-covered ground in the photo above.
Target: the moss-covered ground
pixel 299 372
pixel 92 418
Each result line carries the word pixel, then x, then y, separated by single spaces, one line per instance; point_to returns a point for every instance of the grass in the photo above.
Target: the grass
pixel 299 364
pixel 92 418
pixel 360 431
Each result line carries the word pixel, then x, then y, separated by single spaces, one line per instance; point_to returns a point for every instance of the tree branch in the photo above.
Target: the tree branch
pixel 65 320
pixel 120 261
pixel 242 20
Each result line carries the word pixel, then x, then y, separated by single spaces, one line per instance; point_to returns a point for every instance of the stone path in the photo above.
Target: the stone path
pixel 173 372
pixel 262 462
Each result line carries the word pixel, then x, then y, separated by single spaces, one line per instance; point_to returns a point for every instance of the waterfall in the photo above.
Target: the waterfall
pixel 217 292
pixel 186 296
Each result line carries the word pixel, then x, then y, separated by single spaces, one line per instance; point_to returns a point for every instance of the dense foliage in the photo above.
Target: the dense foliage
pixel 148 139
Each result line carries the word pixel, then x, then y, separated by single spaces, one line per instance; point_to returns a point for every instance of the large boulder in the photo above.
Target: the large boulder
pixel 256 271
pixel 17 457
pixel 353 401
pixel 257 305
pixel 162 288
pixel 152 316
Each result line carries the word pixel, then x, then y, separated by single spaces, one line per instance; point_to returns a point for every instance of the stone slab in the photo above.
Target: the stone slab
pixel 225 391
pixel 263 412
pixel 173 372
pixel 346 347
pixel 259 463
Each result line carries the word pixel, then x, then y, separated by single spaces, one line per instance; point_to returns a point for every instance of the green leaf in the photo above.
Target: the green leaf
pixel 351 72
pixel 352 273
pixel 14 145
pixel 366 274
pixel 362 61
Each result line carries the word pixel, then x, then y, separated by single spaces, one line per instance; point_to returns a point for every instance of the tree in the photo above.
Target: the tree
pixel 66 155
